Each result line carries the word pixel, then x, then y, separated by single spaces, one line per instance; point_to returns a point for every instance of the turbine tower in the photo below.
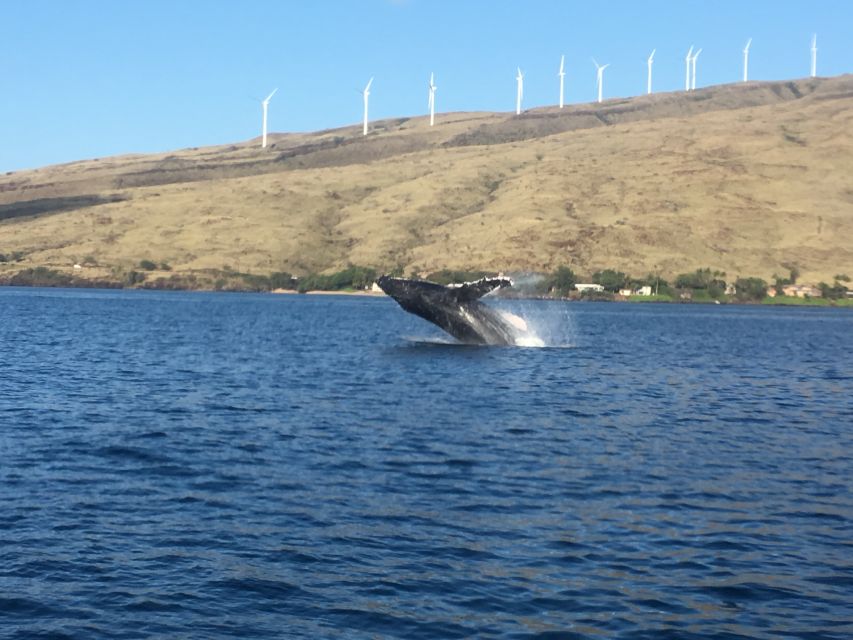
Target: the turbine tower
pixel 366 94
pixel 519 79
pixel 746 60
pixel 687 71
pixel 814 55
pixel 693 83
pixel 649 62
pixel 599 76
pixel 431 103
pixel 562 75
pixel 265 103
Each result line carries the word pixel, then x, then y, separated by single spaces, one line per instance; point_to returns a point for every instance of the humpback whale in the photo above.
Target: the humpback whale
pixel 457 309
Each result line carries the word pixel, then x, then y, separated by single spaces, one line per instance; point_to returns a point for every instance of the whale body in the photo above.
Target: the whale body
pixel 457 309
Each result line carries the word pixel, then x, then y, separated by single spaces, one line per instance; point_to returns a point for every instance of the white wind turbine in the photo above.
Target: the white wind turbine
pixel 814 55
pixel 562 75
pixel 649 62
pixel 366 94
pixel 431 102
pixel 265 103
pixel 519 94
pixel 693 83
pixel 746 60
pixel 687 71
pixel 599 76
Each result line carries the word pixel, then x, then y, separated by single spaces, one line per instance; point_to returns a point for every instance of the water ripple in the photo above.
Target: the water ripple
pixel 204 465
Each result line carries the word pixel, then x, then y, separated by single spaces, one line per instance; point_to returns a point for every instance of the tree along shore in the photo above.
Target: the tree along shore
pixel 701 286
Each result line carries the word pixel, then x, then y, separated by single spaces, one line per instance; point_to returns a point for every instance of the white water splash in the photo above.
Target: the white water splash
pixel 524 336
pixel 529 341
pixel 536 324
pixel 540 323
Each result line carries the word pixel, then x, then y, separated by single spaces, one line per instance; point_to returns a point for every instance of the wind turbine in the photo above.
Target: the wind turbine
pixel 366 94
pixel 562 75
pixel 693 84
pixel 746 60
pixel 649 62
pixel 599 76
pixel 814 55
pixel 519 92
pixel 687 71
pixel 431 102
pixel 265 103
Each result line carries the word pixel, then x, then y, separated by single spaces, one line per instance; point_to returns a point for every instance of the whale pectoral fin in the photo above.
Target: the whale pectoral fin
pixel 475 290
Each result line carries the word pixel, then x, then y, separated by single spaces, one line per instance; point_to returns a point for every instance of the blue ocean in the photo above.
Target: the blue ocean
pixel 203 465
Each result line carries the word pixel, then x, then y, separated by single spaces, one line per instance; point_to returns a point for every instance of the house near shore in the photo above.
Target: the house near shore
pixel 641 291
pixel 801 291
pixel 589 287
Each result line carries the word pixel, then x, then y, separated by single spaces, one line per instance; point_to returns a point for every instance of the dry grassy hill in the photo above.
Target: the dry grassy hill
pixel 742 178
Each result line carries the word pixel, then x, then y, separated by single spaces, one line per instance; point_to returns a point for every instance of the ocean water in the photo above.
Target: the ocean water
pixel 193 465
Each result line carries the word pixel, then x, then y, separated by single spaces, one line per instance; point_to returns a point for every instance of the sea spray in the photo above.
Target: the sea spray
pixel 543 323
pixel 526 284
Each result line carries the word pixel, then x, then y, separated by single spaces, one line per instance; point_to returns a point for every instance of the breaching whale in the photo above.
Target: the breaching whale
pixel 457 309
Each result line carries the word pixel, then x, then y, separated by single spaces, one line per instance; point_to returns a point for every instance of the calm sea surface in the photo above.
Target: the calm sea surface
pixel 190 465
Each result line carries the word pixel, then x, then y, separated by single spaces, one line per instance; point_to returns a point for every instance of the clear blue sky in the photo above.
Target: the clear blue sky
pixel 92 78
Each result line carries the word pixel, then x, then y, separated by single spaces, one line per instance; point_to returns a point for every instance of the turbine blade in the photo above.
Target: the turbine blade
pixel 595 63
pixel 651 57
pixel 369 82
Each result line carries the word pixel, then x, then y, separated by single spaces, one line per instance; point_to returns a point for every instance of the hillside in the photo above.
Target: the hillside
pixel 742 178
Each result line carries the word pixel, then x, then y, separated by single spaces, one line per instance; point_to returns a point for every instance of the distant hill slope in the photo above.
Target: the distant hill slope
pixel 742 178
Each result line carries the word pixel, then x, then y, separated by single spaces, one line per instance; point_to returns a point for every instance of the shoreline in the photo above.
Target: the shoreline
pixel 318 292
pixel 841 303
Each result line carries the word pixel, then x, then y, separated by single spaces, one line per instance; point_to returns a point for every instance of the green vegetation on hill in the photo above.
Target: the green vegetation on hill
pixel 561 283
pixel 837 290
pixel 750 289
pixel 779 282
pixel 41 277
pixel 44 277
pixel 611 280
pixel 351 278
pixel 704 283
pixel 15 256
